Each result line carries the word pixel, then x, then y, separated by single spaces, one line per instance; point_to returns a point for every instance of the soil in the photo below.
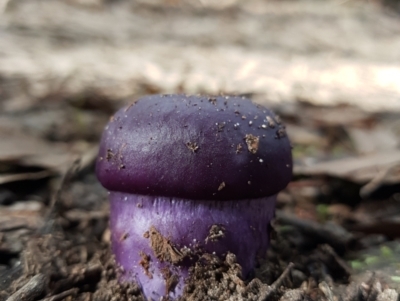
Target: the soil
pixel 162 247
pixel 66 256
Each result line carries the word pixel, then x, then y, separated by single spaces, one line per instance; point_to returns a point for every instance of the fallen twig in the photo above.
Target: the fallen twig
pixel 70 292
pixel 330 233
pixel 277 283
pixel 30 291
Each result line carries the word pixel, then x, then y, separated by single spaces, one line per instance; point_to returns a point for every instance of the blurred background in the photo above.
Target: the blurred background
pixel 329 68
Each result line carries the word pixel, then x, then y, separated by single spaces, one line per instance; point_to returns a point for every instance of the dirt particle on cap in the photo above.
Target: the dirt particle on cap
pixel 124 236
pixel 213 100
pixel 221 186
pixel 221 126
pixel 145 263
pixel 239 148
pixel 243 117
pixel 128 107
pixel 192 146
pixel 270 121
pixel 116 158
pixel 252 143
pixel 109 154
pixel 280 133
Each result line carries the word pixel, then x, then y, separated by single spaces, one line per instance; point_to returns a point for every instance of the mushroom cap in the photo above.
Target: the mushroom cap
pixel 195 147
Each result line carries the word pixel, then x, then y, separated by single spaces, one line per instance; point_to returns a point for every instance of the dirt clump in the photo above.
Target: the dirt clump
pixel 163 248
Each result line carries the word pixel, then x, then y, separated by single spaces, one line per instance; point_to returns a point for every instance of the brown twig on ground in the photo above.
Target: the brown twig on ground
pixel 91 274
pixel 330 233
pixel 61 296
pixel 276 284
pixel 31 290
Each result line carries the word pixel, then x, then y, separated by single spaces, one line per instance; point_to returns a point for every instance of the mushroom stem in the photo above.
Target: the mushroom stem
pixel 157 239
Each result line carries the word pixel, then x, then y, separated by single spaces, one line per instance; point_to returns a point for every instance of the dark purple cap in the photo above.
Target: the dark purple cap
pixel 195 147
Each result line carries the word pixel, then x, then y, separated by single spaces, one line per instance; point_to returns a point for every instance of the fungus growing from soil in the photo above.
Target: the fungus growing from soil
pixel 189 175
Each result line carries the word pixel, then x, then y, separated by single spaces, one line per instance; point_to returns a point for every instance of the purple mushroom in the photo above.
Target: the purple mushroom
pixel 189 175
